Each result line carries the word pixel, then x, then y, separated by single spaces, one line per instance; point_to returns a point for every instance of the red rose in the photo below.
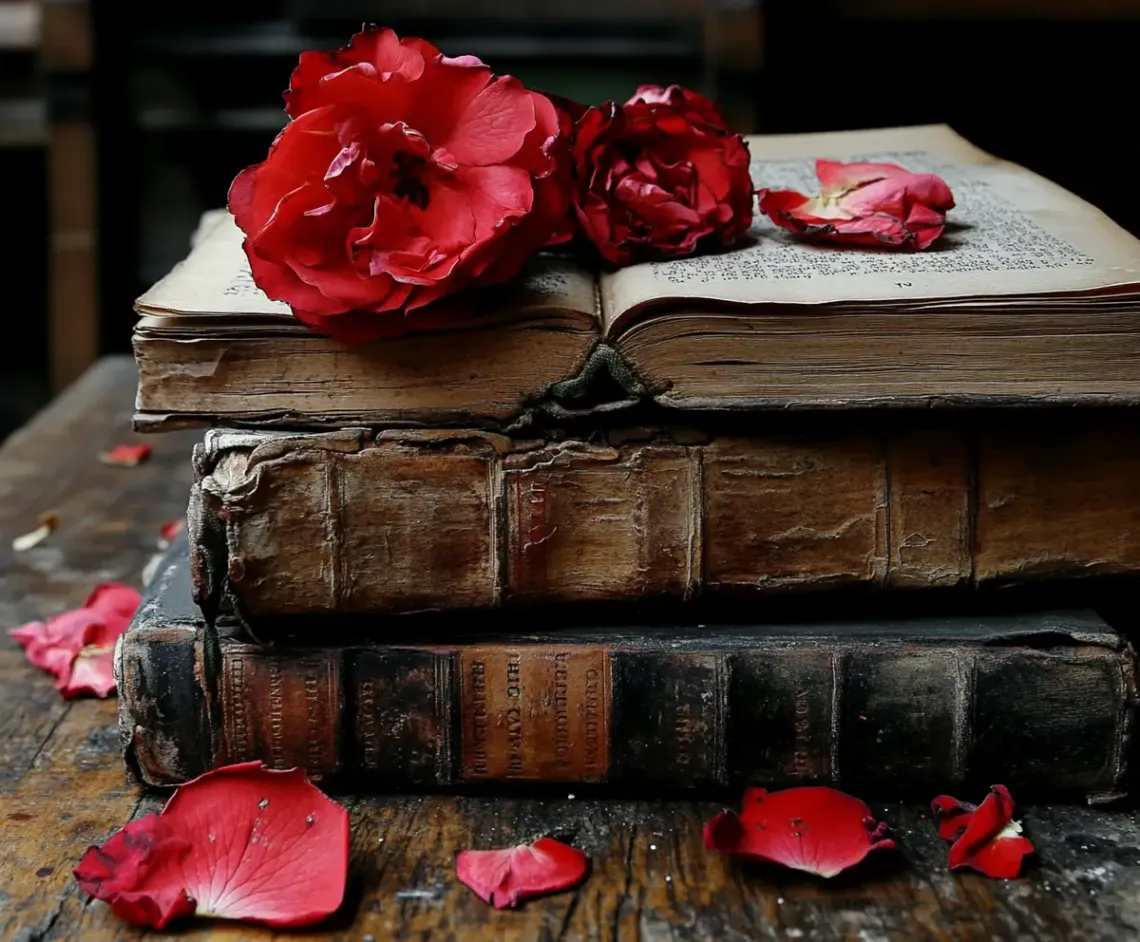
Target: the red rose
pixel 659 174
pixel 883 205
pixel 403 177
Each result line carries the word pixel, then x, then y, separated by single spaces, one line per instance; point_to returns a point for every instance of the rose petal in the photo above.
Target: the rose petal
pixel 242 842
pixel 126 455
pixel 492 128
pixel 169 530
pixel 953 816
pixel 92 672
pixel 1002 857
pixel 506 877
pixel 991 840
pixel 135 871
pixel 815 829
pixel 77 646
pixel 878 205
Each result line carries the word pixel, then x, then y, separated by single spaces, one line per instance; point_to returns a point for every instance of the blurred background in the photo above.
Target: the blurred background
pixel 120 124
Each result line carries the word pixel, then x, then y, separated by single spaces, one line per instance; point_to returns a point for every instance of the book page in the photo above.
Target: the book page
pixel 1011 233
pixel 215 282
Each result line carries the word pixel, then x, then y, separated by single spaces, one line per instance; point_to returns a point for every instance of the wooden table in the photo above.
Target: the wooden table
pixel 62 786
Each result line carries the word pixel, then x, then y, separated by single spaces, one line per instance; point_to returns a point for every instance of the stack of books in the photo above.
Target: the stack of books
pixel 744 518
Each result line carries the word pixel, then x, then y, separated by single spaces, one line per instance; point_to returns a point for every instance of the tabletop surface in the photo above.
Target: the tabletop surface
pixel 63 788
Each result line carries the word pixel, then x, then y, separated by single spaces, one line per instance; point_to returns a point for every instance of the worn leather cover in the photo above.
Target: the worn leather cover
pixel 1042 702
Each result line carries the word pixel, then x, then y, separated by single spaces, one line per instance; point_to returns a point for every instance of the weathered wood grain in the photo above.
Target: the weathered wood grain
pixel 62 788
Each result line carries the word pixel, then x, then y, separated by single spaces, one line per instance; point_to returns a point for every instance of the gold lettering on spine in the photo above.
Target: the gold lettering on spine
pixel 313 716
pixel 366 726
pixel 535 713
pixel 561 712
pixel 801 755
pixel 596 721
pixel 238 739
pixel 478 679
pixel 276 715
pixel 684 733
pixel 514 716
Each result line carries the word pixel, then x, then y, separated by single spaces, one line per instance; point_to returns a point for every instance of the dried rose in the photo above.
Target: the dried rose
pixel 659 175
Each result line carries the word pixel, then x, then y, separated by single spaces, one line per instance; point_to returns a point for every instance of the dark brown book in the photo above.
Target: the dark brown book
pixel 404 520
pixel 1031 296
pixel 1042 702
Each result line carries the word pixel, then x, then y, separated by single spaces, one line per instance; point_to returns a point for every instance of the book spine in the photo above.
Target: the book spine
pixel 408 524
pixel 167 702
pixel 881 719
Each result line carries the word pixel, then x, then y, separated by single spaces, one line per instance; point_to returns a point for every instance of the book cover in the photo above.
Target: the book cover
pixel 1043 702
pixel 1031 297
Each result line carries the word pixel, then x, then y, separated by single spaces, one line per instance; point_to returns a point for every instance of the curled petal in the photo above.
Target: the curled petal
pixel 137 872
pixel 815 829
pixel 505 877
pixel 879 205
pixel 985 836
pixel 77 646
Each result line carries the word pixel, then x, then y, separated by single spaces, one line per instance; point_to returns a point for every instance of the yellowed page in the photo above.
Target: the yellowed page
pixel 1012 233
pixel 213 289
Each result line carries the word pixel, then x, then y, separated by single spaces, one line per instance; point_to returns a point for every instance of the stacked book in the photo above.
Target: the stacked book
pixel 750 518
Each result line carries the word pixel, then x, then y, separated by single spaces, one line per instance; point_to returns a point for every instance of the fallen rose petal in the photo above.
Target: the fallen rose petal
pixel 242 842
pixel 873 204
pixel 143 854
pixel 815 829
pixel 506 877
pixel 952 816
pixel 49 522
pixel 127 456
pixel 77 646
pixel 986 838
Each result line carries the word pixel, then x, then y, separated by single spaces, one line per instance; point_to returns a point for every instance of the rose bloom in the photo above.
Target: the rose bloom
pixel 403 176
pixel 658 175
pixel 880 205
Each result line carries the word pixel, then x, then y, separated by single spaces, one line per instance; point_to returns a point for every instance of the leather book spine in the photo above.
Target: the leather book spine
pixel 1045 703
pixel 285 708
pixel 165 674
pixel 398 702
pixel 414 520
pixel 879 719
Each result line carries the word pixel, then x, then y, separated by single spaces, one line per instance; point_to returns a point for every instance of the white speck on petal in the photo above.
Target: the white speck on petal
pixel 263 804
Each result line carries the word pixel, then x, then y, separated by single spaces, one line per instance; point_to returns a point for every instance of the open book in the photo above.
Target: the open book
pixel 1031 295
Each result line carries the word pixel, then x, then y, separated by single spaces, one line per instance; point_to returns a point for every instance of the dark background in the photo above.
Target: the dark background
pixel 176 98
